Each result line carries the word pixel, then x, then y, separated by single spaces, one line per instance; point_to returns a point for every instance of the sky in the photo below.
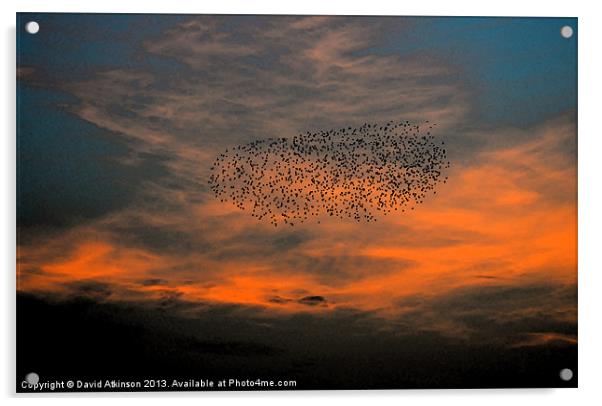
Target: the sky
pixel 121 116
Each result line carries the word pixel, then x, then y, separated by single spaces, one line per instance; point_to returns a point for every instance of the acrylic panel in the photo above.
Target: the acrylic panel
pixel 262 202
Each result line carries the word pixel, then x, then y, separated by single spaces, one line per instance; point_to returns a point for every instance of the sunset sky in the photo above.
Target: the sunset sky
pixel 121 116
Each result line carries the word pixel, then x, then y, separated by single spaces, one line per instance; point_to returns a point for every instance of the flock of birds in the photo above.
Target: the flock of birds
pixel 352 172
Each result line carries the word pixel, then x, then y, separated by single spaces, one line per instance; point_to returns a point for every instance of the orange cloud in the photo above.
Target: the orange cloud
pixel 497 221
pixel 507 217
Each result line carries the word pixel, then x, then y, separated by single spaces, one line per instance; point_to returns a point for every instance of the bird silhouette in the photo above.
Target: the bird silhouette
pixel 355 173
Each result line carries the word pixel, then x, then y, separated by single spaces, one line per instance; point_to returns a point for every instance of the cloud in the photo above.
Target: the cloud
pixel 153 282
pixel 503 226
pixel 265 77
pixel 504 314
pixel 321 349
pixel 90 289
pixel 313 300
pixel 479 230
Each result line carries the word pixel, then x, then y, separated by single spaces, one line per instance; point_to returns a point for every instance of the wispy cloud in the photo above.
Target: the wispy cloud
pixel 507 216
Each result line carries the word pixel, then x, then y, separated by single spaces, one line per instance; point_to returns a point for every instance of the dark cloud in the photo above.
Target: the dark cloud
pixel 338 269
pixel 254 242
pixel 497 313
pixel 279 300
pixel 341 348
pixel 153 282
pixel 313 300
pixel 159 239
pixel 232 348
pixel 72 171
pixel 507 297
pixel 24 273
pixel 90 289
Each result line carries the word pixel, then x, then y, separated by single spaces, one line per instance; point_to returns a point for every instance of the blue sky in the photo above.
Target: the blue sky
pixel 523 70
pixel 514 72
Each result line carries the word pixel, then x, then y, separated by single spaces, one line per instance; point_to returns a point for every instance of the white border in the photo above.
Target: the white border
pixel 590 197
